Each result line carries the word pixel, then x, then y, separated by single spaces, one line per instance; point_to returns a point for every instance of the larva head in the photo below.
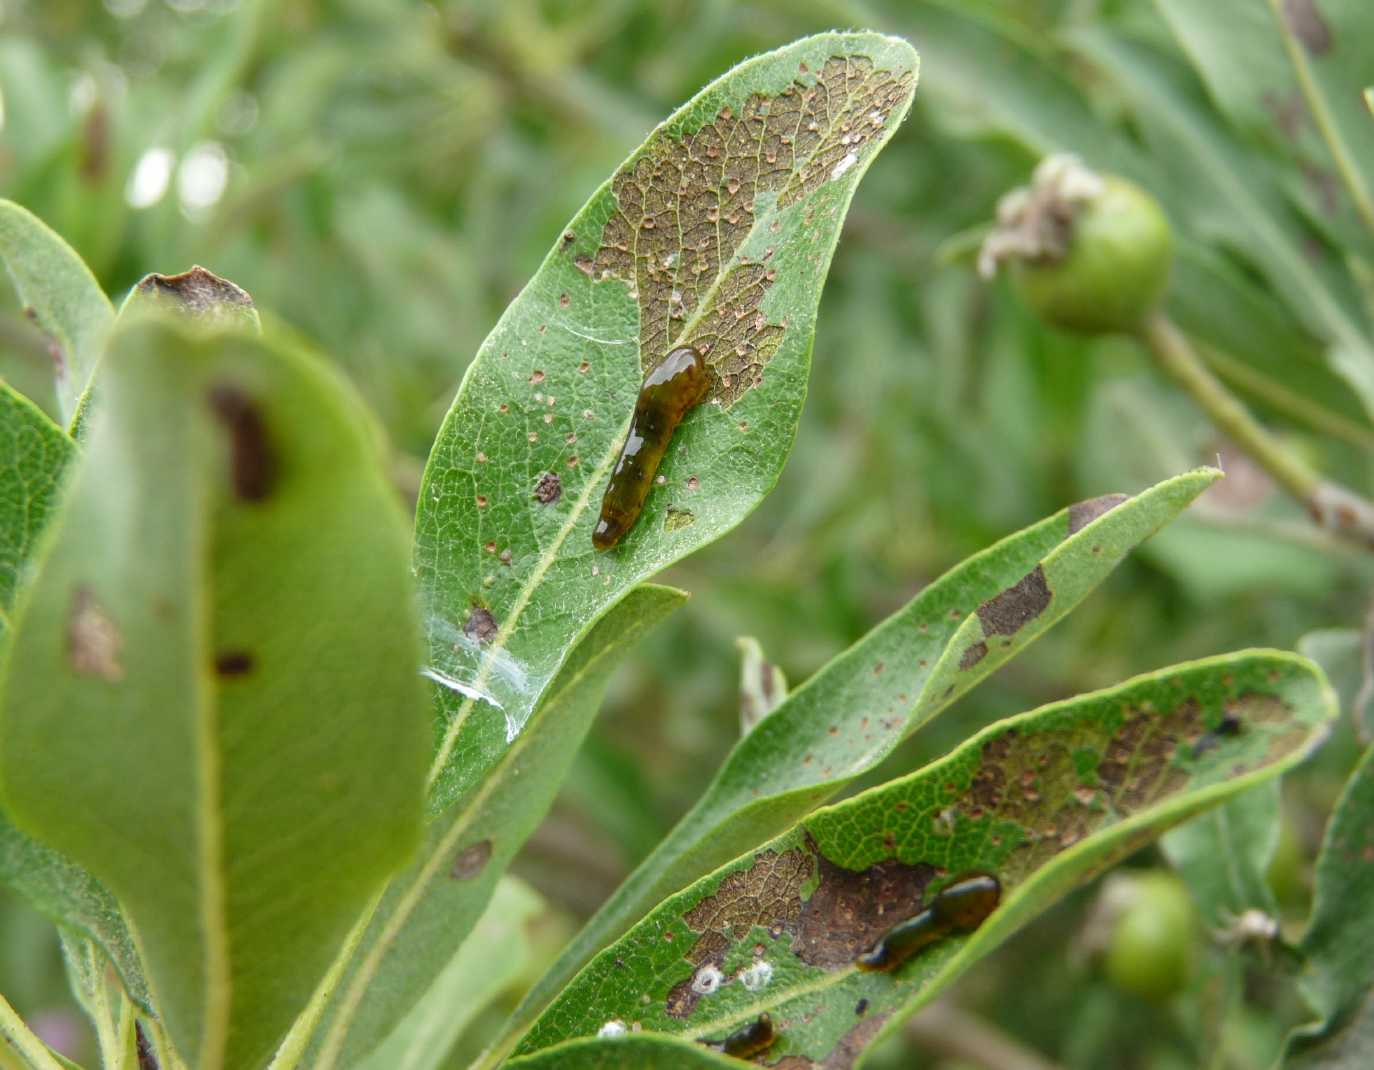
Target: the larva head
pixel 903 941
pixel 963 903
pixel 750 1040
pixel 680 380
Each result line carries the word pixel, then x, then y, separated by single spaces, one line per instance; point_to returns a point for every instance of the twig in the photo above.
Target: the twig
pixel 1333 507
pixel 948 1030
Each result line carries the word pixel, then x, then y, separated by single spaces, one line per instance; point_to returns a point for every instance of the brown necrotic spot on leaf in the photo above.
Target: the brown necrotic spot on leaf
pixel 198 293
pixel 93 639
pixel 480 625
pixel 549 488
pixel 1008 612
pixel 253 461
pixel 1081 514
pixel 850 910
pixel 973 655
pixel 1306 23
pixel 470 861
pixel 767 894
pixel 233 663
pixel 685 206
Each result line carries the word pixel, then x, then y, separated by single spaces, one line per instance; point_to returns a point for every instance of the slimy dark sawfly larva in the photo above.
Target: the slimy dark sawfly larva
pixel 960 907
pixel 750 1039
pixel 674 386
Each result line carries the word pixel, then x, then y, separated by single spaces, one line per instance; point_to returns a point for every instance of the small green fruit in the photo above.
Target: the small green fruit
pixel 1115 267
pixel 1154 939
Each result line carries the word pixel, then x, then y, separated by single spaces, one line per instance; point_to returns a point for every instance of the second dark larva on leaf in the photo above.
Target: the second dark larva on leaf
pixel 748 1040
pixel 960 907
pixel 673 386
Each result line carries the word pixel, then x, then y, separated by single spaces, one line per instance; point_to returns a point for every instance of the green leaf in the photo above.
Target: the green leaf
pixel 190 708
pixel 73 899
pixel 67 302
pixel 1225 853
pixel 986 78
pixel 1263 351
pixel 1325 43
pixel 1221 190
pixel 494 955
pixel 34 454
pixel 430 908
pixel 1339 943
pixel 1261 76
pixel 717 232
pixel 1043 801
pixel 643 1051
pixel 851 714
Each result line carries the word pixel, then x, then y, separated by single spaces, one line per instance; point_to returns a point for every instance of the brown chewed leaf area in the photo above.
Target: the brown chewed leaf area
pixel 850 910
pixel 685 207
pixel 767 894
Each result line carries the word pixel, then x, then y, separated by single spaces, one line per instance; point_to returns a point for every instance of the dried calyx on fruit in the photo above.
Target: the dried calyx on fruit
pixel 1088 252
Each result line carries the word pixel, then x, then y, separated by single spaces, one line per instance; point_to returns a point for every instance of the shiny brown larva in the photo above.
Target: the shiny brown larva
pixel 960 907
pixel 672 388
pixel 748 1040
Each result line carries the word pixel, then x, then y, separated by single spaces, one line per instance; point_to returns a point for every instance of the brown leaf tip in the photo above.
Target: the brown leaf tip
pixel 198 293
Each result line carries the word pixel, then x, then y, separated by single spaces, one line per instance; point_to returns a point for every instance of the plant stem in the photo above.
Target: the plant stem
pixel 1335 508
pixel 22 1041
pixel 949 1031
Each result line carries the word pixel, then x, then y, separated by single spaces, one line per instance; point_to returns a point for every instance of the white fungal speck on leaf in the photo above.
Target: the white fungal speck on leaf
pixel 846 162
pixel 707 980
pixel 614 1028
pixel 756 975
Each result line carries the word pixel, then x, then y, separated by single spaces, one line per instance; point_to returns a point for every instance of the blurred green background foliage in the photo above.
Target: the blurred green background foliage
pixel 383 177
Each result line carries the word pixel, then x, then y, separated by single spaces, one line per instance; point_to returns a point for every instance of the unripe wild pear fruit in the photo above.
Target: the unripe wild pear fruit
pixel 1154 937
pixel 1087 252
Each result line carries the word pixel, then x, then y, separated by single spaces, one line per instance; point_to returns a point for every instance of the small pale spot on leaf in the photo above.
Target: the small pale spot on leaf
pixel 94 641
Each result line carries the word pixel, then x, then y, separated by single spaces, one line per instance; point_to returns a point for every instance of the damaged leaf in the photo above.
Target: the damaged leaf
pixel 716 233
pixel 1041 801
pixel 258 808
pixel 851 714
